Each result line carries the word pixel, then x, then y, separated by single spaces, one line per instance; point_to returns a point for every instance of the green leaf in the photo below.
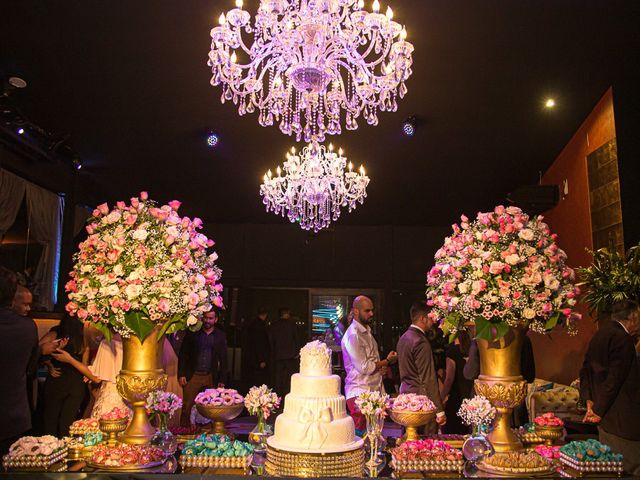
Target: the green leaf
pixel 487 330
pixel 104 329
pixel 483 328
pixel 552 322
pixel 139 323
pixel 170 324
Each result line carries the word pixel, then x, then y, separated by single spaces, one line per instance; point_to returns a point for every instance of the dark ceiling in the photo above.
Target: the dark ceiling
pixel 128 80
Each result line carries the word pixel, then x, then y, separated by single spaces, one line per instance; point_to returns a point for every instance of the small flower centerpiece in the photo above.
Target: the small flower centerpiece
pixel 220 405
pixel 262 402
pixel 412 411
pixel 478 413
pixel 162 405
pixel 548 427
pixel 373 405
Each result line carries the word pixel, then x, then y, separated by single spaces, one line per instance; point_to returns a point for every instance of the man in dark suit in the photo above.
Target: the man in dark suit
pixel 256 351
pixel 202 362
pixel 18 355
pixel 285 346
pixel 610 384
pixel 415 359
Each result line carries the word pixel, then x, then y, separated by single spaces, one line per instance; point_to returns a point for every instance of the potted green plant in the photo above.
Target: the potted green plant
pixel 611 278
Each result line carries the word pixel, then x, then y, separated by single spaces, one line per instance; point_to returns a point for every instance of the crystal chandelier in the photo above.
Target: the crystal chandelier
pixel 314 187
pixel 309 61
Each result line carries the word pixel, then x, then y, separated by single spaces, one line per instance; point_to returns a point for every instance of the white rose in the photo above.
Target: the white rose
pixel 118 270
pixel 191 320
pixel 512 259
pixel 528 313
pixel 113 290
pixel 113 217
pixel 463 287
pixel 86 268
pixel 133 291
pixel 526 234
pixel 140 235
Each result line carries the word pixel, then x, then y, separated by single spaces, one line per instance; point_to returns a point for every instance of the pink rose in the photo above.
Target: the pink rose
pixel 82 314
pixel 496 267
pixel 96 213
pixel 217 301
pixel 121 205
pixel 144 196
pixel 103 208
pixel 130 219
pixel 175 204
pixel 135 202
pixel 164 305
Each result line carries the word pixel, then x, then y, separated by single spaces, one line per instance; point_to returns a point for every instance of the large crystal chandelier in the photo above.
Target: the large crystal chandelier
pixel 314 186
pixel 309 61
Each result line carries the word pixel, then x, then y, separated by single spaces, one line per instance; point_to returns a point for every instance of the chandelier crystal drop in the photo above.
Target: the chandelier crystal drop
pixel 309 61
pixel 313 186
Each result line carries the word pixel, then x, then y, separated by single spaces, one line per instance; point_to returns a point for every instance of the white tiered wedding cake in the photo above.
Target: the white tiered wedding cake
pixel 315 418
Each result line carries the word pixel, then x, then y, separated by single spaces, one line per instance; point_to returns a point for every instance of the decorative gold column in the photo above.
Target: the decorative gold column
pixel 500 381
pixel 141 374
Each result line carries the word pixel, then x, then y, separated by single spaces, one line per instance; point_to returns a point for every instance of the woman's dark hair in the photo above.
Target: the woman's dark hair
pixel 72 328
pixel 465 342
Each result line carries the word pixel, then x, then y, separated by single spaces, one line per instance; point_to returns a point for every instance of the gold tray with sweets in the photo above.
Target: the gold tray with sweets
pixel 427 466
pixel 33 462
pixel 208 461
pixel 517 464
pixel 591 468
pixel 123 468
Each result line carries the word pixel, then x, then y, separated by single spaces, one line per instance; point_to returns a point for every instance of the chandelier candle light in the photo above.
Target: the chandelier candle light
pixel 314 186
pixel 309 61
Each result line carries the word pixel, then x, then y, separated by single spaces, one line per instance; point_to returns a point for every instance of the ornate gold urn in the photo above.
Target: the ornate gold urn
pixel 141 374
pixel 500 381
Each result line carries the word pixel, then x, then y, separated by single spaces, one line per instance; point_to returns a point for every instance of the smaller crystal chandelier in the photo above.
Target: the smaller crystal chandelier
pixel 314 187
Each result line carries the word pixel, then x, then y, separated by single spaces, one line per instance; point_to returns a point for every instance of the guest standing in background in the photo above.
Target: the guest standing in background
pixel 610 384
pixel 256 351
pixel 285 346
pixel 362 359
pixel 18 355
pixel 64 388
pixel 456 387
pixel 202 362
pixel 417 366
pixel 22 301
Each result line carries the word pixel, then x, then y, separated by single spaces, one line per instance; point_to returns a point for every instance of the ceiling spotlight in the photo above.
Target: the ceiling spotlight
pixel 550 103
pixel 212 139
pixel 77 163
pixel 409 126
pixel 20 131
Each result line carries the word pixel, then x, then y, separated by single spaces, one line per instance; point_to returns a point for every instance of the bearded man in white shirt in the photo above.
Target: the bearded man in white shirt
pixel 362 359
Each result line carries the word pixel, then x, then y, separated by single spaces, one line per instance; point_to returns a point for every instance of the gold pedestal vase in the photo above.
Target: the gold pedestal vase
pixel 502 384
pixel 141 374
pixel 411 421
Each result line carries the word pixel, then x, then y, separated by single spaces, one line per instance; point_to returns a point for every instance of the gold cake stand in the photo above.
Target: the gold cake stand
pixel 294 464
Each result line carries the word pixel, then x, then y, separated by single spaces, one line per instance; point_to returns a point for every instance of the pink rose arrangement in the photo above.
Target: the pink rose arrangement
pixel 413 403
pixel 476 411
pixel 551 453
pixel 502 270
pixel 548 420
pixel 218 397
pixel 160 402
pixel 143 265
pixel 115 414
pixel 261 401
pixel 434 450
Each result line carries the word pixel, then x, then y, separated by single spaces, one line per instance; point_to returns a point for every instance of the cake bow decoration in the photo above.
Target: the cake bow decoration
pixel 315 429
